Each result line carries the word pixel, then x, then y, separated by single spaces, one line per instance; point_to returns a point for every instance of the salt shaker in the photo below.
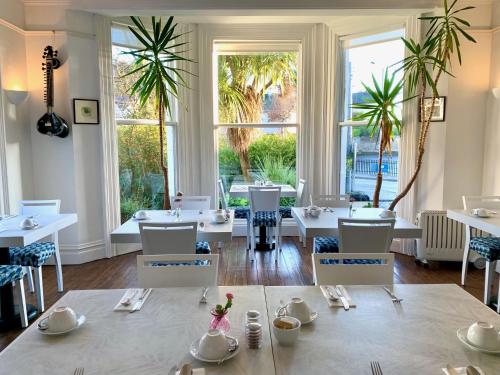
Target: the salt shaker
pixel 253 334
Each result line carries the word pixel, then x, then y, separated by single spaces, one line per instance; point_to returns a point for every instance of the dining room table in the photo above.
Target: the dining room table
pixel 12 235
pixel 208 230
pixel 416 336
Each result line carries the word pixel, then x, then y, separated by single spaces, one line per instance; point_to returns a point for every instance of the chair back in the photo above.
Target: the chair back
pixel 374 269
pixel 300 192
pixel 222 194
pixel 365 236
pixel 477 201
pixel 201 202
pixel 177 270
pixel 332 201
pixel 36 207
pixel 264 198
pixel 168 238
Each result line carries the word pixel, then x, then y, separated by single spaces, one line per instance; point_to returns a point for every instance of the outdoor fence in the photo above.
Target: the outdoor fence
pixel 370 167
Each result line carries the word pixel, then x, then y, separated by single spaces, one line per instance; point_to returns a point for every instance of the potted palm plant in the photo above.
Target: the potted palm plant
pixel 157 75
pixel 379 111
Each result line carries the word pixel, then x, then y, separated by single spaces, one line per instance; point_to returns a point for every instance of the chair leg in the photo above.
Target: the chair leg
pixel 248 235
pixel 39 289
pixel 465 262
pixel 488 280
pixel 57 257
pixel 22 302
pixel 498 298
pixel 29 274
pixel 252 243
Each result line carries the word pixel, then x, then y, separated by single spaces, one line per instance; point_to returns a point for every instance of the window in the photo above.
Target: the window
pixel 141 179
pixel 363 57
pixel 256 114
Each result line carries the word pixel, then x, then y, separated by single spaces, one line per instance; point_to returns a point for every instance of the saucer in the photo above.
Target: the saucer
pixel 139 219
pixel 79 322
pixel 313 317
pixel 31 228
pixel 462 336
pixel 193 350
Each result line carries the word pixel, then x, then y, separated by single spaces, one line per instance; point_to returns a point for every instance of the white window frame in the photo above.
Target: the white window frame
pixel 341 84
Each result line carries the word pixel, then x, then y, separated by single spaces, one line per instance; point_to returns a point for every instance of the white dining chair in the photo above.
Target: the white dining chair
pixel 184 202
pixel 353 269
pixel 265 211
pixel 177 270
pixel 222 195
pixel 168 238
pixel 331 201
pixel 328 244
pixel 483 244
pixel 365 235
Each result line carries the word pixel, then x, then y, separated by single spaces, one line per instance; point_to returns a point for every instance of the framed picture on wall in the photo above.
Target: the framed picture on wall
pixel 439 109
pixel 86 111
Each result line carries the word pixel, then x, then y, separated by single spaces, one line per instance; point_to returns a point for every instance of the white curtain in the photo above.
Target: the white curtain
pixel 408 150
pixel 110 175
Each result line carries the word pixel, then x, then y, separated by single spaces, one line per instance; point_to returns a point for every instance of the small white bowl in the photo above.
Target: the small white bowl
pixel 484 335
pixel 62 319
pixel 286 337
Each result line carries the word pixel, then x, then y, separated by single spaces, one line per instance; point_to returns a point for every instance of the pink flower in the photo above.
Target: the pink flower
pixel 229 296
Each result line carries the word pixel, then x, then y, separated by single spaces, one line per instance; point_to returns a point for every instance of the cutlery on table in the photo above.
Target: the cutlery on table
pixel 472 371
pixel 393 296
pixel 451 370
pixel 140 301
pixel 376 369
pixel 204 292
pixel 78 371
pixel 329 293
pixel 186 369
pixel 128 300
pixel 342 298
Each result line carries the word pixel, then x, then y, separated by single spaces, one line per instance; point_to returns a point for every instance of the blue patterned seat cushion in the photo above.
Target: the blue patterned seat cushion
pixel 351 261
pixel 33 255
pixel 203 247
pixel 286 212
pixel 199 262
pixel 326 245
pixel 487 247
pixel 265 219
pixel 241 212
pixel 9 274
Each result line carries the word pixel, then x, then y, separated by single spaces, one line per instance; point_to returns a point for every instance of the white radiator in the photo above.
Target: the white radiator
pixel 443 238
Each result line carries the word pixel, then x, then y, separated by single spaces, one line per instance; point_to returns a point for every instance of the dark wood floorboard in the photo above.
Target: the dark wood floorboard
pixel 294 267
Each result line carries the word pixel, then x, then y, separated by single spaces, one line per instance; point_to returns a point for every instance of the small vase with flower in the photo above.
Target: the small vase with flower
pixel 219 315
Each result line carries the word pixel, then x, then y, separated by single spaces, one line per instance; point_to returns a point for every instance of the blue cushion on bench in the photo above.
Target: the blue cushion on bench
pixel 265 219
pixel 241 212
pixel 33 255
pixel 326 245
pixel 203 247
pixel 286 212
pixel 9 274
pixel 487 247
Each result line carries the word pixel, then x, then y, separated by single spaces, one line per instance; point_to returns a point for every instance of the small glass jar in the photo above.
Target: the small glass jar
pixel 219 321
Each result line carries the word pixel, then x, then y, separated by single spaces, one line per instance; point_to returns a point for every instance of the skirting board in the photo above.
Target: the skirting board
pixel 81 253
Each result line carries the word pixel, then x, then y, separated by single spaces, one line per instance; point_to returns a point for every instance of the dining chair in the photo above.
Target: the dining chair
pixel 328 244
pixel 14 274
pixel 264 212
pixel 171 238
pixel 486 246
pixel 286 211
pixel 35 255
pixel 240 212
pixel 201 202
pixel 177 270
pixel 365 235
pixel 353 269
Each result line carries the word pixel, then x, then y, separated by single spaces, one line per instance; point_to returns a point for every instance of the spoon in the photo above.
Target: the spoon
pixel 186 369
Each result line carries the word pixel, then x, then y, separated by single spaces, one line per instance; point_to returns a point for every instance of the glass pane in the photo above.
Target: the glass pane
pixel 359 166
pixel 257 88
pixel 363 62
pixel 250 154
pixel 141 179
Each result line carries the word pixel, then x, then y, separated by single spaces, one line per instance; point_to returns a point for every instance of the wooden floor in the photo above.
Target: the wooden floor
pixel 293 268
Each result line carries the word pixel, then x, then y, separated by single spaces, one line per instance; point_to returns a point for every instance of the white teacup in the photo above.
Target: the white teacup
pixel 298 309
pixel 28 223
pixel 314 211
pixel 484 335
pixel 286 336
pixel 481 212
pixel 141 214
pixel 219 217
pixel 213 345
pixel 387 214
pixel 62 319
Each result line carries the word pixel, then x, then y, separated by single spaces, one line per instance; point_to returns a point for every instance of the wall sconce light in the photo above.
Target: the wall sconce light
pixel 16 97
pixel 496 92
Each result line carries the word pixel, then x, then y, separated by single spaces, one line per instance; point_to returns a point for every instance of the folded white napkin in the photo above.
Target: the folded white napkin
pixel 196 371
pixel 462 370
pixel 133 296
pixel 337 303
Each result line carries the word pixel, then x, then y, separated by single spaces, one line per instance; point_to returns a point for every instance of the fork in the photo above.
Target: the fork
pixel 203 298
pixel 376 369
pixel 393 296
pixel 78 371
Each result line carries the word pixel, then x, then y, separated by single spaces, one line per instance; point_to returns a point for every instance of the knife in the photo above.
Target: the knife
pixel 140 301
pixel 472 371
pixel 451 370
pixel 342 298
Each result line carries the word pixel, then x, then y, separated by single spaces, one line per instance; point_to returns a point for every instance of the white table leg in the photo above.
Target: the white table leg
pixel 488 281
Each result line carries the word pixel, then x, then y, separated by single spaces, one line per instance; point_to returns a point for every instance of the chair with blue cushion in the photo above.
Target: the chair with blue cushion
pixel 239 212
pixel 264 212
pixel 328 244
pixel 14 274
pixel 486 247
pixel 285 211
